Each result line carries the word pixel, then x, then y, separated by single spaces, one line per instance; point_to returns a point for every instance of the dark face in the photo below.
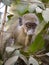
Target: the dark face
pixel 30 27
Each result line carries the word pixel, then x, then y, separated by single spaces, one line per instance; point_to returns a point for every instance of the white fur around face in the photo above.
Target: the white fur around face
pixel 30 32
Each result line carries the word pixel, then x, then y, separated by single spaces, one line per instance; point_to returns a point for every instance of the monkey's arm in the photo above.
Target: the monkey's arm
pixel 28 39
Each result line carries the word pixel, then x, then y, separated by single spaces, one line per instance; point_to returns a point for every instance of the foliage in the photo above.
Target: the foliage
pixel 21 7
pixel 45 1
pixel 40 27
pixel 37 45
pixel 7 2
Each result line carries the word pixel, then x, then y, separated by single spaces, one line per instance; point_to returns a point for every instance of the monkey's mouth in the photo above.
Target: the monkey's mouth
pixel 31 25
pixel 30 32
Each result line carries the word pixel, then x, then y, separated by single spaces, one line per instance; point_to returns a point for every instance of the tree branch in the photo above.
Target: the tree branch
pixel 2 29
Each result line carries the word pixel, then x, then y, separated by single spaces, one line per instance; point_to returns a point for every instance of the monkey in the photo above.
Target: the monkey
pixel 24 32
pixel 24 28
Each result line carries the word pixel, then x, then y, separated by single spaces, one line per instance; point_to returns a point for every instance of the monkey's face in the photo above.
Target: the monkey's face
pixel 29 22
pixel 30 28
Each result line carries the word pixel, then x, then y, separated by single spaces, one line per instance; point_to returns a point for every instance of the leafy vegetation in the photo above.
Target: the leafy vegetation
pixel 38 49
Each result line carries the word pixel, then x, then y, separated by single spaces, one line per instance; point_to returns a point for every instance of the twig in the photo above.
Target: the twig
pixel 4 18
pixel 2 29
pixel 41 51
pixel 42 55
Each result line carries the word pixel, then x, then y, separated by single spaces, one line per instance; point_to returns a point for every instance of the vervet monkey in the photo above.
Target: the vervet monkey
pixel 22 30
pixel 25 30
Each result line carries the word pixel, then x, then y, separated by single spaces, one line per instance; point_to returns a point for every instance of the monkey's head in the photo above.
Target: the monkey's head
pixel 29 23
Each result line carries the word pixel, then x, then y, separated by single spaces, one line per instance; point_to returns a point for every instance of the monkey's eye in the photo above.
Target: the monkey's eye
pixel 31 25
pixel 34 25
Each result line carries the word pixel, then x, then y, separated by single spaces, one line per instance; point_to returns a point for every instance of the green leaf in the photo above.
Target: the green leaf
pixel 37 45
pixel 21 8
pixel 45 15
pixel 45 1
pixel 40 17
pixel 1 62
pixel 40 27
pixel 16 1
pixel 32 7
pixel 10 16
pixel 7 2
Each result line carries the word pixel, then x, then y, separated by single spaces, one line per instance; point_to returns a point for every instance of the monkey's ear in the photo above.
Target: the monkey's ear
pixel 20 21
